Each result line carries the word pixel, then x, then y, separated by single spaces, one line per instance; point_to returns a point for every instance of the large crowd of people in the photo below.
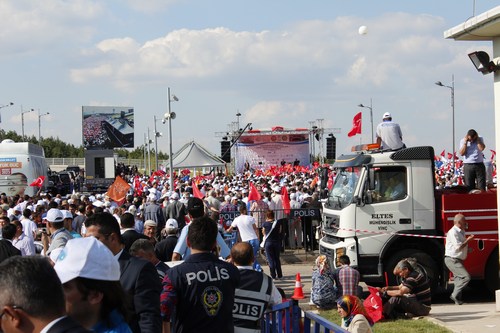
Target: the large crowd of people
pixel 196 222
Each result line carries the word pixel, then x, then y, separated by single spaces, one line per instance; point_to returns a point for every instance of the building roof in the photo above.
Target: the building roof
pixel 485 26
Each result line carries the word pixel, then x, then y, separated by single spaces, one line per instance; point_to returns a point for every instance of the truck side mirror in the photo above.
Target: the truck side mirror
pixel 368 199
pixel 371 179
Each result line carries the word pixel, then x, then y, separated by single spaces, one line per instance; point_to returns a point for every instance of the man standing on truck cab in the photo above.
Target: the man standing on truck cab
pixel 471 148
pixel 455 254
pixel 389 135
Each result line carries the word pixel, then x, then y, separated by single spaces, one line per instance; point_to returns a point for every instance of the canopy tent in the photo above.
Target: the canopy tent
pixel 193 155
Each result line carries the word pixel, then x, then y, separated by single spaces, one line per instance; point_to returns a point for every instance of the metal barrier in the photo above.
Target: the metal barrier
pixel 286 318
pixel 316 324
pixel 283 317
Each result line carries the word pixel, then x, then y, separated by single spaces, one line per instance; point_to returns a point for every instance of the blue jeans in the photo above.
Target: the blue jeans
pixel 255 246
pixel 273 249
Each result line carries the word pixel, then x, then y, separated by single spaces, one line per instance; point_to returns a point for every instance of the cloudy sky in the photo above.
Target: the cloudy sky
pixel 276 62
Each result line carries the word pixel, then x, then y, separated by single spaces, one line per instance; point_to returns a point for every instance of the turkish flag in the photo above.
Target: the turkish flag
pixel 118 190
pixel 138 188
pixel 493 154
pixel 374 305
pixel 285 199
pixel 356 125
pixel 253 193
pixel 38 182
pixel 442 153
pixel 196 191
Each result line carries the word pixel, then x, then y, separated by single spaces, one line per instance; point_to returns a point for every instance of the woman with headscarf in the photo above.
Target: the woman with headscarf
pixel 323 291
pixel 354 316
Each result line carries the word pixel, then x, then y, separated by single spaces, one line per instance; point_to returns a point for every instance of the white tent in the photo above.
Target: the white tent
pixel 193 155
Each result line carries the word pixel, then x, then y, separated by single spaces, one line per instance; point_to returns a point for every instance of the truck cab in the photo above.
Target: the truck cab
pixel 384 207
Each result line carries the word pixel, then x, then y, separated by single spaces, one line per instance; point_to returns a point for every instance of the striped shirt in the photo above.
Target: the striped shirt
pixel 419 286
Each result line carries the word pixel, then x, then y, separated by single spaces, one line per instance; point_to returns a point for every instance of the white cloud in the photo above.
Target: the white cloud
pixel 29 26
pixel 276 113
pixel 325 50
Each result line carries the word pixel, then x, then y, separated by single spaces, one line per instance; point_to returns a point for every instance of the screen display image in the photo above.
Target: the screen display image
pixel 107 127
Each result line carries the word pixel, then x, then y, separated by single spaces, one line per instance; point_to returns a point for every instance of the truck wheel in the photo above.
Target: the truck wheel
pixel 426 265
pixel 491 273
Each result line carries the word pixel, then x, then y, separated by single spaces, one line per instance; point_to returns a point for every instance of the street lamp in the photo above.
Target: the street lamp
pixel 149 154
pixel 22 118
pixel 39 125
pixel 452 89
pixel 168 117
pixel 371 113
pixel 4 106
pixel 157 135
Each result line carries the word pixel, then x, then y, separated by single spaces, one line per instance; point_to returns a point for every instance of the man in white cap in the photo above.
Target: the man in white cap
pixel 55 228
pixel 176 210
pixel 90 275
pixel 165 248
pixel 154 212
pixel 389 134
pixel 276 203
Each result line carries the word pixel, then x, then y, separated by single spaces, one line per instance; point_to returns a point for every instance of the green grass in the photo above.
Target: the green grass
pixel 393 326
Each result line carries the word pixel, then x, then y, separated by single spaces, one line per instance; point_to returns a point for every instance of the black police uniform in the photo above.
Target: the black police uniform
pixel 251 299
pixel 204 288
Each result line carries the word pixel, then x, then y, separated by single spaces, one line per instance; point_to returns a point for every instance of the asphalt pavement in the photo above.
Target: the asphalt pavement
pixel 477 314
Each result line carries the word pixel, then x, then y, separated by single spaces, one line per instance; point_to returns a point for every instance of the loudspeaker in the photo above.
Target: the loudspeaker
pixel 225 151
pixel 331 147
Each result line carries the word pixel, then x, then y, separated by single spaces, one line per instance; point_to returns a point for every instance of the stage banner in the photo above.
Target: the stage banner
pixel 270 151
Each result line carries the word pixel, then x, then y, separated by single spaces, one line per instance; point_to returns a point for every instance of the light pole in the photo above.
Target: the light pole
pixel 22 118
pixel 169 116
pixel 149 154
pixel 452 89
pixel 39 125
pixel 4 106
pixel 145 146
pixel 157 135
pixel 371 114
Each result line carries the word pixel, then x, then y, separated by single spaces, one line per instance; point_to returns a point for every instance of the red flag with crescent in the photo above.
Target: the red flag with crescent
pixel 356 125
pixel 38 182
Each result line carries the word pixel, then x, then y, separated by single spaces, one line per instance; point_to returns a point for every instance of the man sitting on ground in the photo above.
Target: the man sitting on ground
pixel 412 297
pixel 347 278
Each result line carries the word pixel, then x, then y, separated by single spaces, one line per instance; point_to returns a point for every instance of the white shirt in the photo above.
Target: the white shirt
pixel 245 224
pixel 29 228
pixel 454 239
pixel 472 153
pixel 391 135
pixel 25 244
pixel 52 323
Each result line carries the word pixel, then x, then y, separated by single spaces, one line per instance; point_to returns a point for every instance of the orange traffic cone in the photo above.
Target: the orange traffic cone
pixel 298 293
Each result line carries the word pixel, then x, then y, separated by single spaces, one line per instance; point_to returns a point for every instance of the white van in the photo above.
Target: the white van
pixel 20 164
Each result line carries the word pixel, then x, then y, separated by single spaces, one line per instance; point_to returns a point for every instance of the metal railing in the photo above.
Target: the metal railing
pixel 286 318
pixel 315 323
pixel 62 163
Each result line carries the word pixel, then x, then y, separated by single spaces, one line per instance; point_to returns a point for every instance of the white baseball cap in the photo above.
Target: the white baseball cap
pixel 54 215
pixel 387 115
pixel 87 258
pixel 67 214
pixel 171 224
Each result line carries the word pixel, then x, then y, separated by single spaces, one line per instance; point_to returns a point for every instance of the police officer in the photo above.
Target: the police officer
pixel 201 289
pixel 254 293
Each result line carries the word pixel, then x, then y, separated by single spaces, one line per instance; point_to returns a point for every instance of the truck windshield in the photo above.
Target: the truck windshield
pixel 343 189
